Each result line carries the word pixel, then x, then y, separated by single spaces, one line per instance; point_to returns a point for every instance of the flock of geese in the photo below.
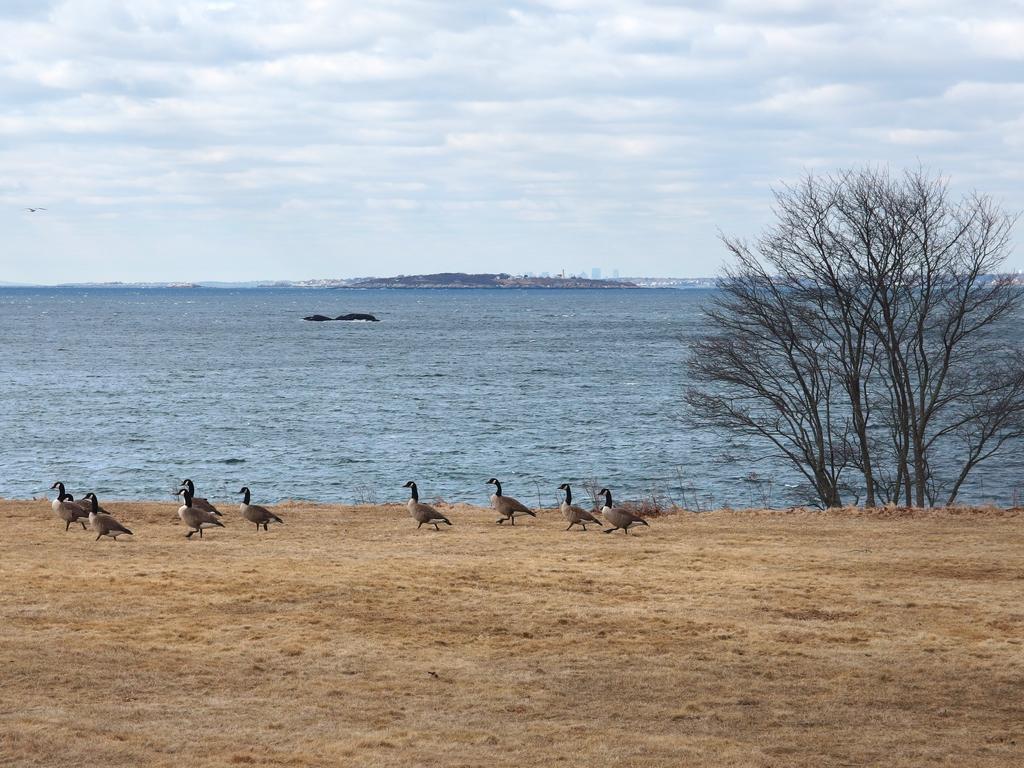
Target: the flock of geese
pixel 198 513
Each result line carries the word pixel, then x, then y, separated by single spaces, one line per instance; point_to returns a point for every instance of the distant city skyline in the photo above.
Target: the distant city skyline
pixel 301 139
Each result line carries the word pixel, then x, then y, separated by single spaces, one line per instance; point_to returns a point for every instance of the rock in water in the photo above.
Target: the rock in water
pixel 358 316
pixel 352 316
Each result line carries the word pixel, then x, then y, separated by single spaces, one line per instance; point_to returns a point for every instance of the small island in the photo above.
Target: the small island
pixel 485 280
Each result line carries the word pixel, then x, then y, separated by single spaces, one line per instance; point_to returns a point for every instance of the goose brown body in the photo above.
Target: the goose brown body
pixel 196 519
pixel 423 513
pixel 254 513
pixel 617 516
pixel 67 509
pixel 198 501
pixel 506 506
pixel 575 515
pixel 102 522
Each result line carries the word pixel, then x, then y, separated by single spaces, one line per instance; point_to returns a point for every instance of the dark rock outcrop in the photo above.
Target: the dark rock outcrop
pixel 358 316
pixel 350 316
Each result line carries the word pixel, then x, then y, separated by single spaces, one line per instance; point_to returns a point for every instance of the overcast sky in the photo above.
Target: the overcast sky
pixel 292 139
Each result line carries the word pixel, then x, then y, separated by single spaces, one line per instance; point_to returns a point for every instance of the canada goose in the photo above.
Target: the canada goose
pixel 423 513
pixel 197 501
pixel 507 507
pixel 102 522
pixel 617 516
pixel 254 513
pixel 67 509
pixel 196 519
pixel 575 515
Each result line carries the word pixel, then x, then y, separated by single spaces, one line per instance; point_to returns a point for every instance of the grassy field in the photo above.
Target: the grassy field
pixel 347 637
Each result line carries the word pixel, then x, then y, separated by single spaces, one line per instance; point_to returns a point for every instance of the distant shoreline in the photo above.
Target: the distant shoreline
pixel 484 287
pixel 174 287
pixel 500 281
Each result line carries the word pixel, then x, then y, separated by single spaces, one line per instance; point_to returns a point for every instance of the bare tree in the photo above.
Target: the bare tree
pixel 773 379
pixel 866 333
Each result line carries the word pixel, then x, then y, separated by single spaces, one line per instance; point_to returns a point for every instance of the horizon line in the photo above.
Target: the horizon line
pixel 300 283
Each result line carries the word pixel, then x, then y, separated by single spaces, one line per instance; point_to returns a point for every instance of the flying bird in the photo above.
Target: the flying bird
pixel 33 210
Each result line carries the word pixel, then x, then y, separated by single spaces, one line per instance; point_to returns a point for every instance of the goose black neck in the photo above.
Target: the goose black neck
pixel 188 497
pixel 60 491
pixel 245 500
pixel 95 503
pixel 497 488
pixel 415 493
pixel 568 494
pixel 61 496
pixel 190 485
pixel 608 499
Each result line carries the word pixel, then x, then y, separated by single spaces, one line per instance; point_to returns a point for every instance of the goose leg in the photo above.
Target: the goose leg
pixel 513 519
pixel 570 526
pixel 436 528
pixel 189 534
pixel 83 525
pixel 67 526
pixel 609 530
pixel 98 536
pixel 419 526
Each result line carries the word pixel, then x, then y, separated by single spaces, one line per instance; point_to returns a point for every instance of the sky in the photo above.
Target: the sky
pixel 295 139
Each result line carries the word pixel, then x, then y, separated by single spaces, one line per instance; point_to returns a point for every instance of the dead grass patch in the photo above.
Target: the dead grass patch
pixel 734 638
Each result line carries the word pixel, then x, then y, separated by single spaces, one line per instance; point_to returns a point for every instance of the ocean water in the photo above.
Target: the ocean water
pixel 127 391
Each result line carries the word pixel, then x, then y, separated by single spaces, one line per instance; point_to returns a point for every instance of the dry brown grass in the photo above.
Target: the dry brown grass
pixel 348 637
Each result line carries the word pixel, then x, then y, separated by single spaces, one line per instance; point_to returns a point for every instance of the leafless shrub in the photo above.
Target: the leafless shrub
pixel 365 494
pixel 540 496
pixel 689 494
pixel 653 504
pixel 761 490
pixel 591 487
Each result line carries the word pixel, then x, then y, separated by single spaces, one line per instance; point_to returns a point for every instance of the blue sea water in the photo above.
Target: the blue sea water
pixel 126 391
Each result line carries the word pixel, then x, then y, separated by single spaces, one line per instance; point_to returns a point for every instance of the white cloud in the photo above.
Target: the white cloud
pixel 920 137
pixel 815 102
pixel 561 125
pixel 999 38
